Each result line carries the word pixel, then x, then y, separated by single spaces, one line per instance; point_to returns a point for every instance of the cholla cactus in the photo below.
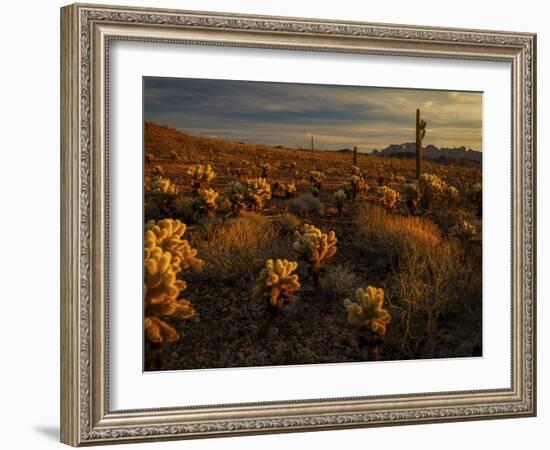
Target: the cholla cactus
pixel 412 196
pixel 167 234
pixel 356 171
pixel 162 185
pixel 452 196
pixel 161 292
pixel 339 198
pixel 264 170
pixel 356 187
pixel 316 178
pixel 284 190
pixel 432 188
pixel 157 170
pixel 174 156
pixel 368 314
pixel 149 157
pixel 277 283
pixel 316 248
pixel 389 198
pixel 205 202
pixel 201 175
pixel 464 231
pixel 257 191
pixel 235 192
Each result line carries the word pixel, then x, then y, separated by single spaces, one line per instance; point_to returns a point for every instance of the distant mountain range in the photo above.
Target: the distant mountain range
pixel 430 151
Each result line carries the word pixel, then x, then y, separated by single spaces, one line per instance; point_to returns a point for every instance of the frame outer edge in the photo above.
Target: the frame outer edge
pixel 70 299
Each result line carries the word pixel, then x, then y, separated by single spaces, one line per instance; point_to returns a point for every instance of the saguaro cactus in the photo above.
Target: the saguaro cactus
pixel 420 133
pixel 355 156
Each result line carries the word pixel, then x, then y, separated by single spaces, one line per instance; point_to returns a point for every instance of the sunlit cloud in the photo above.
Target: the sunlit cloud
pixel 337 116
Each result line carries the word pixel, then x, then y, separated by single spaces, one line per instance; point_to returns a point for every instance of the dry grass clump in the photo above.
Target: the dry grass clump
pixel 385 236
pixel 306 205
pixel 235 246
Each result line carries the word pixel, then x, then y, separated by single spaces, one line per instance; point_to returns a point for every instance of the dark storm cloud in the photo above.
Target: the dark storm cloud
pixel 287 114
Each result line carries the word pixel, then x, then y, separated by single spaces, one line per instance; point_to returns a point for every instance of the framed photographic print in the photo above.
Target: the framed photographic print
pixel 275 224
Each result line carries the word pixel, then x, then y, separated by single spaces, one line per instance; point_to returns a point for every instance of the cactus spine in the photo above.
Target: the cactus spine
pixel 420 133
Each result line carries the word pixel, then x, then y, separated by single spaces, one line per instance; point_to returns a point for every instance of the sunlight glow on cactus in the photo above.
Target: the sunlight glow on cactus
pixel 201 175
pixel 367 312
pixel 167 234
pixel 276 282
pixel 314 246
pixel 162 185
pixel 205 202
pixel 257 191
pixel 464 231
pixel 432 188
pixel 161 292
pixel 389 198
pixel 356 187
pixel 316 178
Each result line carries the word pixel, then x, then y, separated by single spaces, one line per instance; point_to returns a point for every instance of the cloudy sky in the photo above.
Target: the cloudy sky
pixel 288 114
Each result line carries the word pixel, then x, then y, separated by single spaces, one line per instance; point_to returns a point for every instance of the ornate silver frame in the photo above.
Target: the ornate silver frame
pixel 86 31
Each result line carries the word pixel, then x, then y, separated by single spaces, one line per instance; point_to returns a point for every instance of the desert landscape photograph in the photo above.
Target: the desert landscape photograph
pixel 289 224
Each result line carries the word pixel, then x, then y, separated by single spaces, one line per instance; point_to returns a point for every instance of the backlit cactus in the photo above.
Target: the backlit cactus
pixel 452 196
pixel 340 198
pixel 235 192
pixel 157 170
pixel 316 248
pixel 205 202
pixel 316 178
pixel 464 231
pixel 367 312
pixel 356 187
pixel 161 292
pixel 161 185
pixel 432 188
pixel 149 157
pixel 412 196
pixel 201 175
pixel 167 234
pixel 284 190
pixel 277 283
pixel 257 191
pixel 389 198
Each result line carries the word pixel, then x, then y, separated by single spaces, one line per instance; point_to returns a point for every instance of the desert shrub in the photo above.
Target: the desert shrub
pixel 306 206
pixel 382 236
pixel 339 281
pixel 438 295
pixel 233 248
pixel 276 283
pixel 257 191
pixel 287 223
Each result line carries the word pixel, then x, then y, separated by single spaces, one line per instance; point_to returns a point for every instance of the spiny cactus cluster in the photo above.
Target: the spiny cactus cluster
pixel 356 187
pixel 201 175
pixel 161 185
pixel 367 312
pixel 257 191
pixel 389 198
pixel 166 255
pixel 235 192
pixel 464 231
pixel 277 283
pixel 316 248
pixel 157 170
pixel 316 179
pixel 340 197
pixel 284 190
pixel 205 202
pixel 412 196
pixel 452 196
